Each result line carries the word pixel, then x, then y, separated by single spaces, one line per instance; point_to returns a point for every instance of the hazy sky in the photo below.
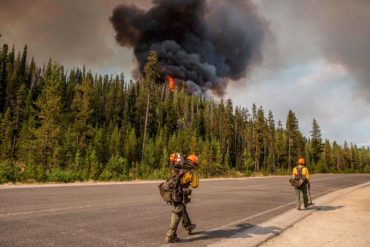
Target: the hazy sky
pixel 316 57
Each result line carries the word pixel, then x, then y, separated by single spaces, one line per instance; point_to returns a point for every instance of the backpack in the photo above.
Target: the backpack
pixel 299 180
pixel 170 190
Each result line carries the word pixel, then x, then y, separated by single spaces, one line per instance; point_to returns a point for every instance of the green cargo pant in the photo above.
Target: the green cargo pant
pixel 178 213
pixel 298 191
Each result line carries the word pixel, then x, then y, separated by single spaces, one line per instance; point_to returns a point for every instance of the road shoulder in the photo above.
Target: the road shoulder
pixel 341 218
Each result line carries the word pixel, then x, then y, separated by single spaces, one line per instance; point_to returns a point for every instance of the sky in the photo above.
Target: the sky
pixel 316 55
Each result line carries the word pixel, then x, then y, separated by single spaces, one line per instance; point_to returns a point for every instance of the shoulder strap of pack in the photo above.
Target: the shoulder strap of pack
pixel 299 170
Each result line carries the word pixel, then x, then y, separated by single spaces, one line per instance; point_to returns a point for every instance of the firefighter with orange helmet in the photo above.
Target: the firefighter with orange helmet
pixel 176 160
pixel 300 172
pixel 185 172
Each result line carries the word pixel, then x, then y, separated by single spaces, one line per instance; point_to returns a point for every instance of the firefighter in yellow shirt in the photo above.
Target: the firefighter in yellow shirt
pixel 301 172
pixel 186 171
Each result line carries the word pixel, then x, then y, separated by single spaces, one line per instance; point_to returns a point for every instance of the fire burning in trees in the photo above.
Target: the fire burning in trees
pixel 171 83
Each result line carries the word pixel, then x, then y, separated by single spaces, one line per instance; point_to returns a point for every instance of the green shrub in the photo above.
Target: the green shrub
pixel 62 176
pixel 117 168
pixel 9 172
pixel 366 169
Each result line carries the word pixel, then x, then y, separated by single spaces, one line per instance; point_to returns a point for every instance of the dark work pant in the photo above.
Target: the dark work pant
pixel 179 212
pixel 298 191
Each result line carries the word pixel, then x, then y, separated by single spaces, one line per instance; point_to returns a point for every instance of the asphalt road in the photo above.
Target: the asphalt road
pixel 135 215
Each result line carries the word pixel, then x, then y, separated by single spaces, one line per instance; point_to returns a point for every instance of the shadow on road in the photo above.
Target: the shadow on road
pixel 324 208
pixel 237 232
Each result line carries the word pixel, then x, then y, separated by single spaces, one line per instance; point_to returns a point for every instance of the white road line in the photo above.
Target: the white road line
pixel 43 211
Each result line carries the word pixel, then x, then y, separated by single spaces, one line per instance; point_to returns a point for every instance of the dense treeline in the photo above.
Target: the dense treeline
pixel 66 126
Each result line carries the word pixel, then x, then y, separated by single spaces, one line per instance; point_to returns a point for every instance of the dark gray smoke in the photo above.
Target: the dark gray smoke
pixel 205 44
pixel 337 31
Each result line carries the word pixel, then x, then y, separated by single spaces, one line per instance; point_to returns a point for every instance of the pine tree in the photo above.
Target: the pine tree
pixel 31 75
pixel 228 131
pixel 259 137
pixel 281 146
pixel 82 112
pixel 337 153
pixel 147 96
pixel 347 160
pixel 326 157
pixel 12 83
pixel 239 125
pixel 271 142
pixel 20 101
pixel 23 65
pixel 293 138
pixel 100 145
pixel 50 108
pixel 3 75
pixel 27 124
pixel 151 69
pixel 115 143
pixel 25 146
pixel 94 164
pixel 130 146
pixel 6 136
pixel 316 142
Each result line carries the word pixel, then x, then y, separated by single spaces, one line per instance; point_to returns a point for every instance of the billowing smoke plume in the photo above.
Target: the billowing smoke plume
pixel 204 43
pixel 335 30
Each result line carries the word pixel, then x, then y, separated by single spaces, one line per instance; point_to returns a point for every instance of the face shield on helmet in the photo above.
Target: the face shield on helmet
pixel 176 159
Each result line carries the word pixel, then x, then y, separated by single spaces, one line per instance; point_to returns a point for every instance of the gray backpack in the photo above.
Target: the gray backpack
pixel 299 180
pixel 170 190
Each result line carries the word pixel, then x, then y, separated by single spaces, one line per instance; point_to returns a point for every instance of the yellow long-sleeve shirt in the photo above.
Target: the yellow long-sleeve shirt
pixel 190 177
pixel 304 172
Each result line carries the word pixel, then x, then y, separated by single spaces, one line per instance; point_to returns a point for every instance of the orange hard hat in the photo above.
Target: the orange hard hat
pixel 301 161
pixel 193 159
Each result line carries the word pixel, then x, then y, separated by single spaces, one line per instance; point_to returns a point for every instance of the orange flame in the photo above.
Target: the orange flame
pixel 171 83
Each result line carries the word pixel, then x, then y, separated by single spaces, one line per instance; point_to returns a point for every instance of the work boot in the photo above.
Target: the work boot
pixel 189 229
pixel 172 239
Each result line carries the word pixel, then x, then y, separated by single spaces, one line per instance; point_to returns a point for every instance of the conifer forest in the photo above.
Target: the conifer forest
pixel 63 126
